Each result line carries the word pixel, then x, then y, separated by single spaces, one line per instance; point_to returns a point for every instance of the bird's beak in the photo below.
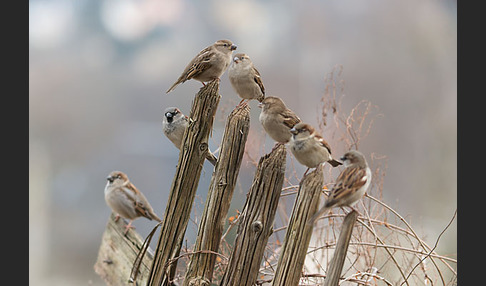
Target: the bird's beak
pixel 260 105
pixel 110 178
pixel 233 47
pixel 236 59
pixel 293 131
pixel 169 115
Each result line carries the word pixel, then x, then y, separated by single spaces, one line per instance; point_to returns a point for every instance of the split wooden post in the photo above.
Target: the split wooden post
pixel 337 260
pixel 117 254
pixel 297 238
pixel 223 182
pixel 256 221
pixel 184 185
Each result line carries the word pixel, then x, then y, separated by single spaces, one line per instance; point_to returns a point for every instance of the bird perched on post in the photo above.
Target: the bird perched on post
pixel 174 124
pixel 351 184
pixel 208 64
pixel 246 79
pixel 277 119
pixel 126 200
pixel 309 148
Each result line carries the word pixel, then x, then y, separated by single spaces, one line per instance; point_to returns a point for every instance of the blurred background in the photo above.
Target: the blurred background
pixel 99 69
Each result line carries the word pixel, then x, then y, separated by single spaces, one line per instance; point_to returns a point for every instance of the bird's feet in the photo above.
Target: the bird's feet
pixel 128 227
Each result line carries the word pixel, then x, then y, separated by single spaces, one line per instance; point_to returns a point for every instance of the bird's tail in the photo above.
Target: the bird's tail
pixel 320 212
pixel 211 158
pixel 154 216
pixel 173 86
pixel 334 163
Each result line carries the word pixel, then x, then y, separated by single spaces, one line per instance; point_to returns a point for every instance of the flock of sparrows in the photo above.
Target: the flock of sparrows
pixel 278 121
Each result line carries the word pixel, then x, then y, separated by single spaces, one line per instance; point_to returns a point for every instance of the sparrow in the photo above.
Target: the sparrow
pixel 174 124
pixel 126 200
pixel 309 148
pixel 277 119
pixel 209 64
pixel 351 184
pixel 246 79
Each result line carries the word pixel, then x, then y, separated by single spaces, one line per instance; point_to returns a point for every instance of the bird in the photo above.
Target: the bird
pixel 208 64
pixel 246 79
pixel 351 184
pixel 309 148
pixel 126 200
pixel 277 119
pixel 174 124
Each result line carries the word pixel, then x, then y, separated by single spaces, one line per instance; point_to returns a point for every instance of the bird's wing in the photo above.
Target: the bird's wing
pixel 258 80
pixel 290 118
pixel 348 182
pixel 200 63
pixel 142 207
pixel 323 142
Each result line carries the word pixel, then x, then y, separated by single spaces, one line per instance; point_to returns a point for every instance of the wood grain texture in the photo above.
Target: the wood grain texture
pixel 298 235
pixel 223 181
pixel 337 261
pixel 256 221
pixel 184 185
pixel 117 254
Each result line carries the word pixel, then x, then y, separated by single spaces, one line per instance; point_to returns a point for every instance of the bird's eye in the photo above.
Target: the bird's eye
pixel 118 177
pixel 225 45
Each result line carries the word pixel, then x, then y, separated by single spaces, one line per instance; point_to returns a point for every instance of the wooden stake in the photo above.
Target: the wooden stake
pixel 297 238
pixel 223 181
pixel 184 185
pixel 256 220
pixel 337 260
pixel 117 254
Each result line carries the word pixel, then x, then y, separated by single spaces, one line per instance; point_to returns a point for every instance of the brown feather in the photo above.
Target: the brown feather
pixel 290 118
pixel 349 181
pixel 258 80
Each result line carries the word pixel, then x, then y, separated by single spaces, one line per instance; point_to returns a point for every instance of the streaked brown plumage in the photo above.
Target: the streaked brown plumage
pixel 309 148
pixel 351 184
pixel 277 119
pixel 126 200
pixel 208 64
pixel 245 78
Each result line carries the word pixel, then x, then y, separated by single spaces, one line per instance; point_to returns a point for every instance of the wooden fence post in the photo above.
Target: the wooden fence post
pixel 256 221
pixel 297 238
pixel 184 185
pixel 337 261
pixel 223 181
pixel 118 252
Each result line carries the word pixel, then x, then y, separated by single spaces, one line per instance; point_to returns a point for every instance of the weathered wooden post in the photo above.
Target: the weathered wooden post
pixel 337 260
pixel 256 220
pixel 184 185
pixel 223 181
pixel 118 252
pixel 297 238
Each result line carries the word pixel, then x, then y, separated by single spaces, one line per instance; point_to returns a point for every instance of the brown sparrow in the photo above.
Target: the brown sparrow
pixel 350 186
pixel 209 64
pixel 309 148
pixel 125 200
pixel 277 119
pixel 174 123
pixel 246 79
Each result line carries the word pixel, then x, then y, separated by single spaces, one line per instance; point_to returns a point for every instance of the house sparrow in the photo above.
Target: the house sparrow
pixel 246 79
pixel 174 123
pixel 350 186
pixel 209 64
pixel 277 119
pixel 125 200
pixel 309 148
